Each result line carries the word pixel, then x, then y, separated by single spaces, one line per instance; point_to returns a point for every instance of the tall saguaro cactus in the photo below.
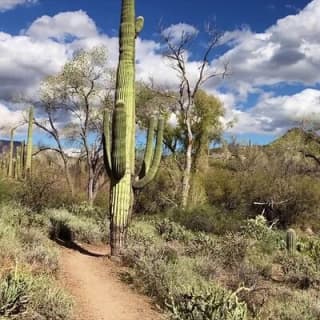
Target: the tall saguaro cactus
pixel 28 162
pixel 119 143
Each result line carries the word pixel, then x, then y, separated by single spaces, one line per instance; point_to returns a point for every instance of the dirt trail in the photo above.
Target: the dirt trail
pixel 93 281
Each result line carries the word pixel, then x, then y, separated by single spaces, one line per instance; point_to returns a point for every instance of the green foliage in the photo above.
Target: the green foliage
pixel 42 190
pixel 207 219
pixel 14 290
pixel 23 293
pixel 211 303
pixel 299 269
pixel 170 230
pixel 22 242
pixel 290 305
pixel 66 226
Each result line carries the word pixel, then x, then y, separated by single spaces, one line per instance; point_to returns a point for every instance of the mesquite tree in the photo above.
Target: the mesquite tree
pixel 119 146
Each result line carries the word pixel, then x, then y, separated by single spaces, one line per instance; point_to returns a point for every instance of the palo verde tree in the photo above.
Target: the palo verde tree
pixel 189 85
pixel 119 147
pixel 206 128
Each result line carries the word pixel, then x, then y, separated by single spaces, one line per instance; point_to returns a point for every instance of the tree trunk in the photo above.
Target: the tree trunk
pixel 187 167
pixel 187 176
pixel 90 187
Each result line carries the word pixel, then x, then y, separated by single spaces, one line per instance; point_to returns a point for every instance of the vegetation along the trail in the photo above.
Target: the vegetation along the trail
pixel 206 227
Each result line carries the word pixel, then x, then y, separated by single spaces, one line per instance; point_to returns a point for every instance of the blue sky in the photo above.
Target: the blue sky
pixel 273 47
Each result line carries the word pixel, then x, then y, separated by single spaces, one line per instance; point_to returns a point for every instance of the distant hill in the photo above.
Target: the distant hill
pixel 5 146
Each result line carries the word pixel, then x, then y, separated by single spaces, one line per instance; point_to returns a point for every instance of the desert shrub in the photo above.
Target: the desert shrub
pixel 210 303
pixel 311 247
pixel 299 269
pixel 207 218
pixel 86 210
pixel 42 190
pixel 266 239
pixel 170 230
pixel 37 250
pixel 19 241
pixel 66 226
pixel 50 301
pixel 232 250
pixel 14 289
pixel 201 244
pixel 292 306
pixel 22 293
pixel 161 271
pixel 222 187
pixel 162 192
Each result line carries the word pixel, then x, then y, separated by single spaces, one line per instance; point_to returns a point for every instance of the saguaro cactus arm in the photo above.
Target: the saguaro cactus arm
pixel 148 155
pixel 119 143
pixel 107 142
pixel 138 184
pixel 139 25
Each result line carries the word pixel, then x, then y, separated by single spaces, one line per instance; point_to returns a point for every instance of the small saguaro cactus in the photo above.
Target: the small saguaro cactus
pixel 28 162
pixel 11 152
pixel 119 142
pixel 291 241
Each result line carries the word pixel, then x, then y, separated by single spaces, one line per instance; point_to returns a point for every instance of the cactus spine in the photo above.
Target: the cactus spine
pixel 291 241
pixel 119 146
pixel 28 162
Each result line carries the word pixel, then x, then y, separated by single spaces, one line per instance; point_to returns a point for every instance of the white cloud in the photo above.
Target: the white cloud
pixel 9 118
pixel 10 4
pixel 276 114
pixel 75 24
pixel 288 51
pixel 177 31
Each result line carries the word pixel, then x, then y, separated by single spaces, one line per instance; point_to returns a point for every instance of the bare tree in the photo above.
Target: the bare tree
pixel 177 53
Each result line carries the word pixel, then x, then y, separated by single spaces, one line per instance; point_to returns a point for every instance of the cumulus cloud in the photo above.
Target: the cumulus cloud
pixel 275 114
pixel 288 51
pixel 180 30
pixel 9 118
pixel 63 25
pixel 10 4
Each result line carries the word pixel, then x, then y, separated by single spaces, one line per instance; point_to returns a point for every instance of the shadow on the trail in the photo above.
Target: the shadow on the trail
pixel 74 246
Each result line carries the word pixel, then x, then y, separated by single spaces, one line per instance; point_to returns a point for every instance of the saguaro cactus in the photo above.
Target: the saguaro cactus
pixel 291 240
pixel 119 143
pixel 11 151
pixel 28 162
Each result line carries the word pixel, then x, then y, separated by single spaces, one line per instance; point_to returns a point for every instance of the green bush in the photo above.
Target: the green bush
pixel 42 191
pixel 170 230
pixel 207 219
pixel 22 293
pixel 299 269
pixel 23 243
pixel 66 226
pixel 211 303
pixel 290 305
pixel 14 294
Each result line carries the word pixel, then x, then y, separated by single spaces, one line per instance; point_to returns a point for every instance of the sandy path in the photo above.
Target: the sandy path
pixel 97 290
